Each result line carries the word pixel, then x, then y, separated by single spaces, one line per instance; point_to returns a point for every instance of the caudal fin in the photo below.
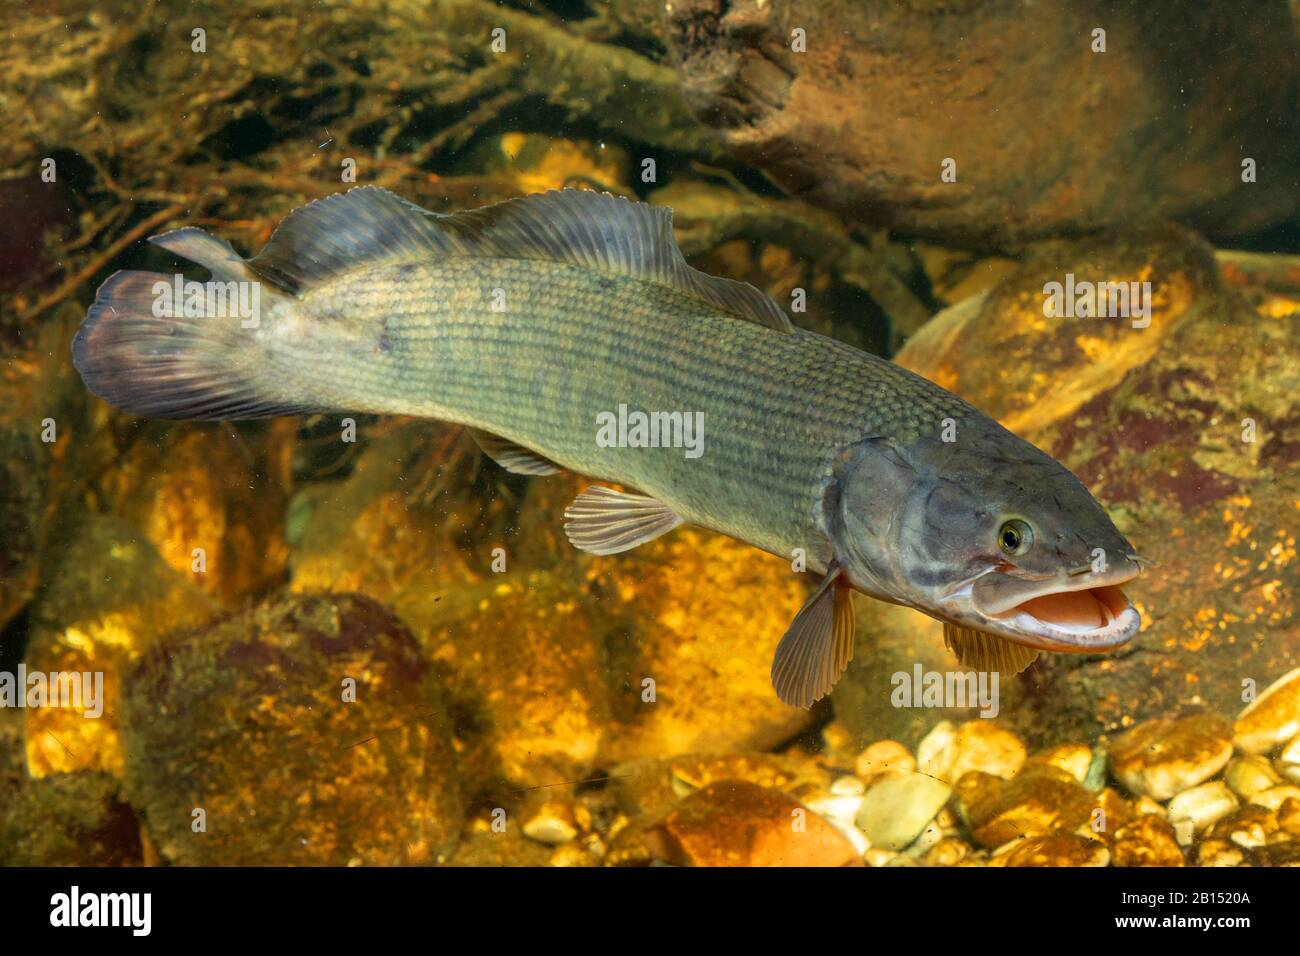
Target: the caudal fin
pixel 142 350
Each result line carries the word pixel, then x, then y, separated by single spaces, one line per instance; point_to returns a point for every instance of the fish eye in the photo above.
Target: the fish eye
pixel 1015 536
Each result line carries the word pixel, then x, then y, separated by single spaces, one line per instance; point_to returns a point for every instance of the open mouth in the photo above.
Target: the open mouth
pixel 1079 614
pixel 1076 611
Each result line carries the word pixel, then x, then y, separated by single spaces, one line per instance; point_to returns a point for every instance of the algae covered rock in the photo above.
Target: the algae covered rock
pixel 69 819
pixel 109 596
pixel 305 730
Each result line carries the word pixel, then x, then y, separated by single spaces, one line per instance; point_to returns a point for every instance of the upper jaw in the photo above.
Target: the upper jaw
pixel 1040 613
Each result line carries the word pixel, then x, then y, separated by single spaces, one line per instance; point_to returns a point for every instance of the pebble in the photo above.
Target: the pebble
pixel 551 821
pixel 1250 774
pixel 1200 806
pixel 1147 840
pixel 982 745
pixel 1163 757
pixel 897 809
pixel 1288 816
pixel 1247 827
pixel 1057 849
pixel 1074 759
pixel 947 852
pixel 1288 761
pixel 1040 800
pixel 884 756
pixel 1272 718
pixel 1218 853
pixel 737 823
pixel 1273 797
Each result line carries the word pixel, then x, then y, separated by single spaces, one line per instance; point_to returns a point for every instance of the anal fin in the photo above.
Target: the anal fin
pixel 987 652
pixel 818 645
pixel 605 521
pixel 512 457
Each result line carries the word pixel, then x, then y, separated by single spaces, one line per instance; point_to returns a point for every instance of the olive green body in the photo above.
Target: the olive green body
pixel 534 351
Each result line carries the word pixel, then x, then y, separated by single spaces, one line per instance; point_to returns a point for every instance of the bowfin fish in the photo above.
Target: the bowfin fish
pixel 536 322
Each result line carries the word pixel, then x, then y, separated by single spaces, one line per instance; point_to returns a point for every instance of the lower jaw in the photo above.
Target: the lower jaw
pixel 1118 633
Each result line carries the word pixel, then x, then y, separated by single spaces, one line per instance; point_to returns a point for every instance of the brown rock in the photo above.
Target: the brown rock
pixel 1146 841
pixel 1162 757
pixel 307 730
pixel 949 71
pixel 1059 849
pixel 1039 800
pixel 733 823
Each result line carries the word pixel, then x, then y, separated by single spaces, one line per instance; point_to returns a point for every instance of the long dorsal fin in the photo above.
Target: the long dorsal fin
pixel 597 231
pixel 987 652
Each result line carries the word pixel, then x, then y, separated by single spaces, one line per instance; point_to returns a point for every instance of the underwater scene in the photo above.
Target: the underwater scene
pixel 626 433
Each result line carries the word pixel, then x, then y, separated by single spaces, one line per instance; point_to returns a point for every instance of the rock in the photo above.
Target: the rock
pixel 1146 840
pixel 700 614
pixel 1040 800
pixel 800 114
pixel 897 809
pixel 109 598
pixel 651 788
pixel 1288 815
pixel 69 819
pixel 949 851
pixel 1247 827
pixel 884 756
pixel 293 770
pixel 840 803
pixel 1274 797
pixel 522 665
pixel 1272 718
pixel 211 499
pixel 975 745
pixel 553 821
pixel 1201 806
pixel 1163 757
pixel 1248 775
pixel 1288 761
pixel 1058 849
pixel 1074 759
pixel 733 823
pixel 1114 403
pixel 1218 853
pixel 1114 813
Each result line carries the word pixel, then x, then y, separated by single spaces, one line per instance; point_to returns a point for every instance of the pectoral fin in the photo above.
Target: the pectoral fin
pixel 605 521
pixel 987 652
pixel 512 457
pixel 818 645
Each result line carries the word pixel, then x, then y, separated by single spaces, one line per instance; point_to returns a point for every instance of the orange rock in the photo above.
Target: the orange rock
pixel 733 823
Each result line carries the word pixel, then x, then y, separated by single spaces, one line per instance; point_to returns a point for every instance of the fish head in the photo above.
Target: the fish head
pixel 988 533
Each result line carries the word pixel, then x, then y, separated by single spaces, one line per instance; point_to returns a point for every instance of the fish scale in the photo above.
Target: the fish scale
pixel 776 407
